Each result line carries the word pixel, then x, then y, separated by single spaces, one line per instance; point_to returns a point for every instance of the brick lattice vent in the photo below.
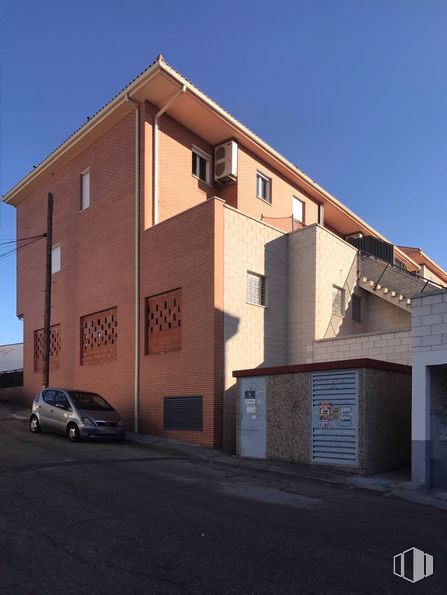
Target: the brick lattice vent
pixel 99 337
pixel 164 322
pixel 55 348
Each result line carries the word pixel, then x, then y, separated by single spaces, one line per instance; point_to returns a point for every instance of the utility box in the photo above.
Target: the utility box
pixel 253 419
pixel 352 414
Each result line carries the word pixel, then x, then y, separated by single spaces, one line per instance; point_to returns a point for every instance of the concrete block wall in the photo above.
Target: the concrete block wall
pixel 336 264
pixel 382 316
pixel 254 335
pixel 429 323
pixel 390 347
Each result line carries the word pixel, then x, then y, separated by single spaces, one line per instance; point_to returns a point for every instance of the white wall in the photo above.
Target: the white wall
pixel 11 357
pixel 389 347
pixel 429 348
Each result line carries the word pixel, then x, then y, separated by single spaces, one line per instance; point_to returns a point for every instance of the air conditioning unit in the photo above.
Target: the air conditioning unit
pixel 225 162
pixel 354 236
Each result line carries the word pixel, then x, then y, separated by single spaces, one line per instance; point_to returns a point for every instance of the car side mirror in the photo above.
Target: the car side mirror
pixel 59 405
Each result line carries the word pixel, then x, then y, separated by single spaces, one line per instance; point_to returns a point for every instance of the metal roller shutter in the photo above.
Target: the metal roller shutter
pixel 183 413
pixel 334 429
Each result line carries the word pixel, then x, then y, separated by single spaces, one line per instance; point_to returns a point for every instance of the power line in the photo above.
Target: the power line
pixel 6 242
pixel 16 249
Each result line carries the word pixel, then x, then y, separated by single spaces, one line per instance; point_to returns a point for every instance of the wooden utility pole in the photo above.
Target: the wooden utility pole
pixel 47 313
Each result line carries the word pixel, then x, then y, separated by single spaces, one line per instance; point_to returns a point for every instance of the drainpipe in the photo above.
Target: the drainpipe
pixel 137 264
pixel 155 151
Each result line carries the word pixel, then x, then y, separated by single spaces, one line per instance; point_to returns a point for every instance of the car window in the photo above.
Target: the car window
pixel 89 401
pixel 49 396
pixel 60 400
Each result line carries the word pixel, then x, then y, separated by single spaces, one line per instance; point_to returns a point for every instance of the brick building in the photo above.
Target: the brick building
pixel 184 248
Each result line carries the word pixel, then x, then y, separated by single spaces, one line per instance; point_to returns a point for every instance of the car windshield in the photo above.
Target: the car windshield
pixel 90 401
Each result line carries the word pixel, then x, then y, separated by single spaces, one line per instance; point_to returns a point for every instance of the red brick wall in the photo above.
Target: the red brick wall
pixel 186 252
pixel 97 269
pixel 279 212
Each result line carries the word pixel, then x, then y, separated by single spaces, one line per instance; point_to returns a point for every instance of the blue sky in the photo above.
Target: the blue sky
pixel 352 91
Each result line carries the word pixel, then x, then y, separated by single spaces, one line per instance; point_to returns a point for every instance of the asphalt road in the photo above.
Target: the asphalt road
pixel 108 518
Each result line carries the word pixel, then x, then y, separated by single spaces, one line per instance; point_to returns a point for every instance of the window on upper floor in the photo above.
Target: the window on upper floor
pixel 85 189
pixel 56 259
pixel 298 209
pixel 263 187
pixel 201 165
pixel 338 301
pixel 356 308
pixel 255 289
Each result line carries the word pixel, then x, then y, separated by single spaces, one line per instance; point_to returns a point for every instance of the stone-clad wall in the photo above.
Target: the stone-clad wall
pixel 288 418
pixel 384 420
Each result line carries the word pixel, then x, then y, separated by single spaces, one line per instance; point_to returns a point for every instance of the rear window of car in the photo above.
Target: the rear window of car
pixel 89 401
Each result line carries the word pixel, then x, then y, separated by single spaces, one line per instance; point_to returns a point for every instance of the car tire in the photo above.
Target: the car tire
pixel 73 433
pixel 34 424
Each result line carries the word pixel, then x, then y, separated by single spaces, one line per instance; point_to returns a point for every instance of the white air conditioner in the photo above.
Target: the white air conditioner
pixel 225 162
pixel 354 236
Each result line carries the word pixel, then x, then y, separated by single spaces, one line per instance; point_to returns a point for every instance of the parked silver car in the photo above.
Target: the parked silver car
pixel 75 413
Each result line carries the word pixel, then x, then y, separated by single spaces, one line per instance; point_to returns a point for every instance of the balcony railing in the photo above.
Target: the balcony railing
pixel 393 277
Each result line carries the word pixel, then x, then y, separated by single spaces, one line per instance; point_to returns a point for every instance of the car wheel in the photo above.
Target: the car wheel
pixel 34 424
pixel 73 433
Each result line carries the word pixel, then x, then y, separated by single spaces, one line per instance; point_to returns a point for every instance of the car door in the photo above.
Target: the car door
pixel 61 412
pixel 46 409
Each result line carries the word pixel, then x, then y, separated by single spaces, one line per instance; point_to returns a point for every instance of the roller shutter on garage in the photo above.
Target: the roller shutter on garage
pixel 334 398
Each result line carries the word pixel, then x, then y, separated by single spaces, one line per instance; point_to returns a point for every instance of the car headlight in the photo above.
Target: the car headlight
pixel 87 421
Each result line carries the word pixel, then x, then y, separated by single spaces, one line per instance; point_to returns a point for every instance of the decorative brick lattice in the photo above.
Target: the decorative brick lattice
pixel 164 322
pixel 55 348
pixel 99 337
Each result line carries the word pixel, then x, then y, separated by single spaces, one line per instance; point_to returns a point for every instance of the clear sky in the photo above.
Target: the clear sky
pixel 354 92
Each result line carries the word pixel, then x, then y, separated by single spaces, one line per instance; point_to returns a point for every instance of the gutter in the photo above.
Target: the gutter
pixel 136 106
pixel 155 151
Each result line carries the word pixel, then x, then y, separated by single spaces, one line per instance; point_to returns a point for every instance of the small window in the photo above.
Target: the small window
pixel 263 187
pixel 356 308
pixel 56 259
pixel 338 301
pixel 255 289
pixel 201 165
pixel 85 190
pixel 298 209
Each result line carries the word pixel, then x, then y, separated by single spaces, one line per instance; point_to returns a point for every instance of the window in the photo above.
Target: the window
pixel 338 301
pixel 56 259
pixel 201 165
pixel 99 337
pixel 263 187
pixel 164 322
pixel 85 190
pixel 49 396
pixel 298 209
pixel 255 289
pixel 356 308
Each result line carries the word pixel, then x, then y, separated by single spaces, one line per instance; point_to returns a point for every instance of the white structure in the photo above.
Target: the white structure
pixel 429 390
pixel 11 357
